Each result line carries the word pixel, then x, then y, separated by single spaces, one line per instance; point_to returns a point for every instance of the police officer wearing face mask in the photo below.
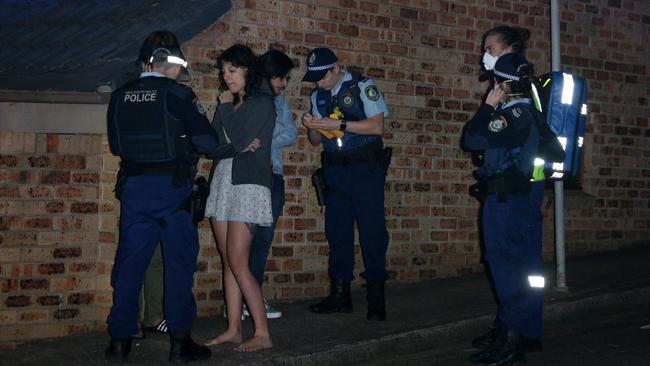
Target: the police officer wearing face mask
pixel 347 117
pixel 501 40
pixel 158 128
pixel 505 129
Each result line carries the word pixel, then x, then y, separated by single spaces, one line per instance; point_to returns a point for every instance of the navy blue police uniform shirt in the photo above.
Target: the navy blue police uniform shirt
pixel 183 104
pixel 506 126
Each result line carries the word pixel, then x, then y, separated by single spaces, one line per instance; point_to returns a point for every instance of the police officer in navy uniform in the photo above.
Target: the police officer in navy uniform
pixel 504 129
pixel 158 128
pixel 347 117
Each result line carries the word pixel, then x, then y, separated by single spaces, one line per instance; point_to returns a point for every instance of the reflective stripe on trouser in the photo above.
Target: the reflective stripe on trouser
pixel 150 213
pixel 513 253
pixel 359 196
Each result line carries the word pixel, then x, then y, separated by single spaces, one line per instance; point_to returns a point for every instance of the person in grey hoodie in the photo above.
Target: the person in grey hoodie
pixel 240 188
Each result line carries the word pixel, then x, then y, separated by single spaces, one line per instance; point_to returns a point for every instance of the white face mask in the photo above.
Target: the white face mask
pixel 489 61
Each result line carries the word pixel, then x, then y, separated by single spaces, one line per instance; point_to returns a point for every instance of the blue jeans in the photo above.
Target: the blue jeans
pixel 264 234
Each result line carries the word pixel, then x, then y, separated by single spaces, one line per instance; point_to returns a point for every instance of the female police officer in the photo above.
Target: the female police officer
pixel 504 128
pixel 354 164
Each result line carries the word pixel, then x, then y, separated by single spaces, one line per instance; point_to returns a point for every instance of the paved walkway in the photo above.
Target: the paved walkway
pixel 420 315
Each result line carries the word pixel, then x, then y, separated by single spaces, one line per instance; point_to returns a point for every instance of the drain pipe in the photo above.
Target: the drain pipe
pixel 558 186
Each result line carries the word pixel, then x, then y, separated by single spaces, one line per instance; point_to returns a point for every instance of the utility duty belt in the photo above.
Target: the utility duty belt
pixel 501 186
pixel 180 173
pixel 372 154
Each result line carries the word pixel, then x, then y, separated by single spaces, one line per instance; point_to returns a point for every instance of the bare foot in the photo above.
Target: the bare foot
pixel 225 337
pixel 255 344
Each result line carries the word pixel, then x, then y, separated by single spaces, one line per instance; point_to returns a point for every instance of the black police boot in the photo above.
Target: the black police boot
pixel 184 350
pixel 376 300
pixel 506 350
pixel 485 340
pixel 338 301
pixel 118 350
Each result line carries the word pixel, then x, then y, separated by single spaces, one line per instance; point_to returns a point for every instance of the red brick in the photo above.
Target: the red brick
pixel 18 301
pixel 51 268
pixel 69 313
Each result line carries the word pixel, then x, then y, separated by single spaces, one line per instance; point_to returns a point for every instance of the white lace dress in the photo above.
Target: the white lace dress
pixel 242 202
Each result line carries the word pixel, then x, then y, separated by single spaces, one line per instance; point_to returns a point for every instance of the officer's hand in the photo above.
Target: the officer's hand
pixel 226 97
pixel 494 97
pixel 325 123
pixel 306 119
pixel 254 145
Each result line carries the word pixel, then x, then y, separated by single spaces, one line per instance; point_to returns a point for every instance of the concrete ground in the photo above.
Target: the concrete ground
pixel 421 316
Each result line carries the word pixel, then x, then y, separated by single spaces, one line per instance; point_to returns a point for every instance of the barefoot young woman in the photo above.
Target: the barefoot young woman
pixel 240 195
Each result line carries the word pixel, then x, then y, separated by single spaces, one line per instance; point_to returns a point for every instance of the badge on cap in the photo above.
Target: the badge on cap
pixel 312 59
pixel 372 92
pixel 498 124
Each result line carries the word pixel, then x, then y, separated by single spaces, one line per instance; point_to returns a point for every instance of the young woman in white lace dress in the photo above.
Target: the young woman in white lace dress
pixel 240 195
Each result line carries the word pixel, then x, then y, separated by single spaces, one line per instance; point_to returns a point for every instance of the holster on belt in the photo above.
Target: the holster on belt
pixel 196 202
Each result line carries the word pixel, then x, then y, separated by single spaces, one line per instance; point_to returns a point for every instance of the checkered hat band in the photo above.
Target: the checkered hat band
pixel 321 68
pixel 506 76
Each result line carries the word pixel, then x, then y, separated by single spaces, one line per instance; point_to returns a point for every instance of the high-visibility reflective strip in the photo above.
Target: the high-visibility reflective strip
pixel 536 281
pixel 173 60
pixel 539 161
pixel 538 104
pixel 583 110
pixel 177 61
pixel 538 173
pixel 580 139
pixel 567 89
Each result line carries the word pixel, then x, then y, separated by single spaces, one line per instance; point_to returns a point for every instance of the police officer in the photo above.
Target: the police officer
pixel 347 117
pixel 157 127
pixel 504 128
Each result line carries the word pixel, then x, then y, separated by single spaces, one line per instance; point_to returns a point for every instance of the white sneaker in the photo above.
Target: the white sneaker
pixel 271 312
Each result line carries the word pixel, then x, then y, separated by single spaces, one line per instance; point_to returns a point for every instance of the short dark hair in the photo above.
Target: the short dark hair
pixel 515 37
pixel 155 40
pixel 242 56
pixel 275 64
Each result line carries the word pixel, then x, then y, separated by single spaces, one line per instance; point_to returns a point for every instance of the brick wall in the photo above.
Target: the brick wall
pixel 48 234
pixel 59 226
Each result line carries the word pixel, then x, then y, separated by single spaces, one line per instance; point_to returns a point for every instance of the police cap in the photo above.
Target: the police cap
pixel 319 62
pixel 511 66
pixel 172 55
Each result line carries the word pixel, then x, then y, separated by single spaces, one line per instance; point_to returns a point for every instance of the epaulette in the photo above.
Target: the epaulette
pixel 180 90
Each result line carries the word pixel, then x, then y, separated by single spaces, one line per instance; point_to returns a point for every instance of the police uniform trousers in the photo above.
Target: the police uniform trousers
pixel 151 212
pixel 356 192
pixel 512 237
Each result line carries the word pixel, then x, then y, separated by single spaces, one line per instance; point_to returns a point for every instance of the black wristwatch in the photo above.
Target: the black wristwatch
pixel 343 125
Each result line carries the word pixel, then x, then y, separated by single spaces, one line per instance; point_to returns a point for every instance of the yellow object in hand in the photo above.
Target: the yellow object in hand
pixel 336 114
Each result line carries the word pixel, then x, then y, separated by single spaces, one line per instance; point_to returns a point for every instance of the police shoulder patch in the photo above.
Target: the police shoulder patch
pixel 498 124
pixel 199 108
pixel 372 92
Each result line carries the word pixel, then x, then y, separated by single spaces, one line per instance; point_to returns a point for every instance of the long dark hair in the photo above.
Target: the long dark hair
pixel 515 37
pixel 275 64
pixel 242 56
